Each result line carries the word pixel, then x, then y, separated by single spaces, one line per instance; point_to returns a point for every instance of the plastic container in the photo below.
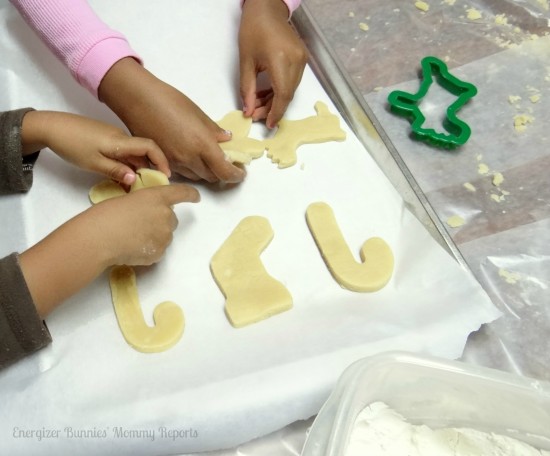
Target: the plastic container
pixel 434 392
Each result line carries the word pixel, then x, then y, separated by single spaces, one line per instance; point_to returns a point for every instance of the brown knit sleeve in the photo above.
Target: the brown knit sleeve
pixel 22 331
pixel 15 170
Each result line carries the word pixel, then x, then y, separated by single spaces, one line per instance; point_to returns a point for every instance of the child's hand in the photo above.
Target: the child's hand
pixel 92 145
pixel 136 229
pixel 133 229
pixel 268 43
pixel 151 108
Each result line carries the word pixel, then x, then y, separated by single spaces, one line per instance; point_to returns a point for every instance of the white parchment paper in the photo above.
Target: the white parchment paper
pixel 218 386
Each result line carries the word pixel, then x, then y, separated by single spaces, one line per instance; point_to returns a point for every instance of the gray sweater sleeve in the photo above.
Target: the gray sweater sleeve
pixel 22 331
pixel 15 170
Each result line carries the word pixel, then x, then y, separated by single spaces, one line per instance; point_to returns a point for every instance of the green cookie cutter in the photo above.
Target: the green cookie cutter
pixel 406 104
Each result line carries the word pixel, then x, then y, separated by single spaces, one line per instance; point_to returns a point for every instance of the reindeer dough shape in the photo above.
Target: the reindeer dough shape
pixel 168 316
pixel 290 135
pixel 251 293
pixel 376 267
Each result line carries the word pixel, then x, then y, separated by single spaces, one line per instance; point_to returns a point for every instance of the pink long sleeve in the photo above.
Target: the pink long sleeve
pixel 291 5
pixel 76 35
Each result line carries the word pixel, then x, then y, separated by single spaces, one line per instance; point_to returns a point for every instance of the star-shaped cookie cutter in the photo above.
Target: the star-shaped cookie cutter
pixel 406 104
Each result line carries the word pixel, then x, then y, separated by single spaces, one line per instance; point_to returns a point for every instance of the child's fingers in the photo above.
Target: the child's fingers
pixel 117 171
pixel 178 193
pixel 143 147
pixel 248 87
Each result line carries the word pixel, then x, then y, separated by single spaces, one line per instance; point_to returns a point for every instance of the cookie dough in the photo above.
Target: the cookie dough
pixel 376 268
pixel 168 317
pixel 107 189
pixel 240 148
pixel 251 293
pixel 146 177
pixel 422 6
pixel 455 221
pixel 312 130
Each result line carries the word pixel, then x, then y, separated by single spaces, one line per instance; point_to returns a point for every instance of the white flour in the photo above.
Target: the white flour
pixel 379 430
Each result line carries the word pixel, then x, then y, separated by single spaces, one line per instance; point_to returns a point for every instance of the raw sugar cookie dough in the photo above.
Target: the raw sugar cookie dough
pixel 107 189
pixel 376 267
pixel 290 135
pixel 240 148
pixel 168 316
pixel 251 294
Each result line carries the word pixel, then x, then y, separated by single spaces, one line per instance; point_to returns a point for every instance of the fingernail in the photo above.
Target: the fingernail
pixel 128 178
pixel 228 132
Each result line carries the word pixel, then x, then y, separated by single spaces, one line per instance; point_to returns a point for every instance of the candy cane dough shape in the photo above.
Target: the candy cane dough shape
pixel 376 267
pixel 251 293
pixel 168 316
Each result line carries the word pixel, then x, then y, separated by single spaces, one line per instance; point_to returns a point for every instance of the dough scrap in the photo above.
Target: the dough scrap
pixel 108 189
pixel 473 14
pixel 422 6
pixel 240 148
pixel 146 177
pixel 521 121
pixel 312 130
pixel 251 293
pixel 105 190
pixel 168 316
pixel 376 268
pixel 455 221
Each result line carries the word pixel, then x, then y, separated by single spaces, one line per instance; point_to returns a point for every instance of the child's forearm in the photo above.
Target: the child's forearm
pixel 63 263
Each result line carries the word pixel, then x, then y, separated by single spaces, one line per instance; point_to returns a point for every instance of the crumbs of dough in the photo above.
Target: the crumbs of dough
pixel 482 168
pixel 514 99
pixel 498 179
pixel 501 19
pixel 473 14
pixel 521 121
pixel 422 6
pixel 470 187
pixel 363 26
pixel 455 221
pixel 510 277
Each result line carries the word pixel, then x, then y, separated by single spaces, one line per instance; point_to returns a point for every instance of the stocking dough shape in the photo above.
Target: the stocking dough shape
pixel 251 293
pixel 168 317
pixel 240 148
pixel 293 133
pixel 376 268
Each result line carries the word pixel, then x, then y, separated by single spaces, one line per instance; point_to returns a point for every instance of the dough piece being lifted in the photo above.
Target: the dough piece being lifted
pixel 107 189
pixel 168 316
pixel 251 293
pixel 291 134
pixel 376 268
pixel 146 177
pixel 240 148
